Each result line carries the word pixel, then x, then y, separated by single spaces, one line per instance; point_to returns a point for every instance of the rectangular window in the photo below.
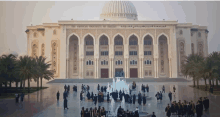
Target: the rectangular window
pixel 89 53
pixel 133 53
pixel 149 52
pixel 104 53
pixel 118 53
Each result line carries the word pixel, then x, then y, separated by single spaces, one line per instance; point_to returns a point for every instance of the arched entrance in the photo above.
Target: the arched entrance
pixel 104 56
pixel 133 56
pixel 163 57
pixel 73 63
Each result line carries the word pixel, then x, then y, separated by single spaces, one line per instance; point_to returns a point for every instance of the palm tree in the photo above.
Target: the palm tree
pixel 26 69
pixel 7 66
pixel 44 69
pixel 191 66
pixel 214 63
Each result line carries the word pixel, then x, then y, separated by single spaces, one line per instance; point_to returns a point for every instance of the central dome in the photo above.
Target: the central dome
pixel 119 10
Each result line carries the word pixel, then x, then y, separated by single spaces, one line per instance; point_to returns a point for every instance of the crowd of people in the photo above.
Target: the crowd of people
pixel 188 108
pixel 180 109
pixel 93 112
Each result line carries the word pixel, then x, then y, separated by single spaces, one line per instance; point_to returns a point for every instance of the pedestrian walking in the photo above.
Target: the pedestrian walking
pixel 22 97
pixel 65 104
pixel 58 96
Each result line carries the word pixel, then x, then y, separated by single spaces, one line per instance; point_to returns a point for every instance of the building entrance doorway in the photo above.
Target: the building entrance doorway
pixel 117 70
pixel 133 72
pixel 104 73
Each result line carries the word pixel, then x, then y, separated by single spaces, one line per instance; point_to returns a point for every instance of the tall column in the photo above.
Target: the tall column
pixel 142 67
pixel 155 68
pixel 112 67
pixel 170 68
pixel 128 68
pixel 82 68
pixel 97 70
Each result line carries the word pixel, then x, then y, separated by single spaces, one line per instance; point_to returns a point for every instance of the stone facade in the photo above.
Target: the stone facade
pixel 95 49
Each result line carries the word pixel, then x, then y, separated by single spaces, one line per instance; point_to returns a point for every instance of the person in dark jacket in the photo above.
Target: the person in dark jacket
pixel 58 96
pixel 144 100
pixel 92 95
pixel 88 95
pixel 108 97
pixel 82 112
pixel 16 98
pixel 174 88
pixel 102 90
pixel 153 115
pixel 139 99
pixel 198 109
pixel 134 98
pixel 163 89
pixel 81 96
pixel 147 88
pixel 98 87
pixel 65 104
pixel 95 99
pixel 22 97
pixel 170 96
pixel 65 95
pixel 168 110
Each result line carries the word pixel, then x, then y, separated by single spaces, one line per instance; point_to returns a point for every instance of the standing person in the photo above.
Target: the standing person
pixel 95 99
pixel 22 97
pixel 65 104
pixel 108 97
pixel 163 89
pixel 81 96
pixel 168 111
pixel 134 98
pixel 147 88
pixel 170 96
pixel 65 87
pixel 16 98
pixel 144 100
pixel 174 88
pixel 91 113
pixel 92 95
pixel 68 88
pixel 88 95
pixel 198 109
pixel 58 96
pixel 82 112
pixel 153 115
pixel 193 111
pixel 98 87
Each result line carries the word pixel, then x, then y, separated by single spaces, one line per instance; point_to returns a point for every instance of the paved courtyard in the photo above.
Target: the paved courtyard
pixel 43 103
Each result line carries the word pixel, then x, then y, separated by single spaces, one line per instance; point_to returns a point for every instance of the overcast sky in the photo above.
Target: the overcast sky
pixel 15 16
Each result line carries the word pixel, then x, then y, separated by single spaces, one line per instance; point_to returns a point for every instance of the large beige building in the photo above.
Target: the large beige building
pixel 119 41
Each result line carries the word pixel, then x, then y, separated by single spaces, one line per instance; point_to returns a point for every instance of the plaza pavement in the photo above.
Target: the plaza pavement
pixel 43 103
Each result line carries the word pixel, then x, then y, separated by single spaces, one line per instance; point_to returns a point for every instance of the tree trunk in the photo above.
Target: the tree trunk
pixel 10 84
pixel 217 82
pixel 41 82
pixel 21 84
pixel 24 86
pixel 37 83
pixel 16 85
pixel 6 86
pixel 205 85
pixel 212 82
pixel 194 83
pixel 0 87
pixel 28 85
pixel 197 83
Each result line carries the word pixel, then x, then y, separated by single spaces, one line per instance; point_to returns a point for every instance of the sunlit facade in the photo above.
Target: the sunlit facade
pixel 119 41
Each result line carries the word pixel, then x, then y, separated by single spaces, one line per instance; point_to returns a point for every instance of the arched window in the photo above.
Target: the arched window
pixel 103 40
pixel 116 62
pixel 118 40
pixel 150 62
pixel 119 62
pixel 87 63
pixel 181 32
pixel 147 40
pixel 89 40
pixel 54 32
pixel 133 40
pixel 131 62
pixel 90 62
pixel 147 61
pixel 199 34
pixel 192 47
pixel 35 34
